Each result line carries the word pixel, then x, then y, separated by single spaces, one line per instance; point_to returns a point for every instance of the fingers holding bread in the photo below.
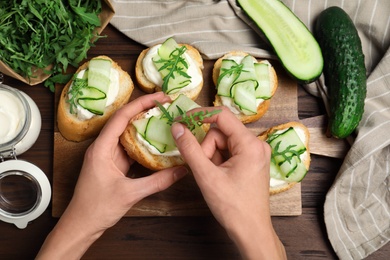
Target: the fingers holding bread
pixel 244 84
pixel 98 88
pixel 172 68
pixel 290 155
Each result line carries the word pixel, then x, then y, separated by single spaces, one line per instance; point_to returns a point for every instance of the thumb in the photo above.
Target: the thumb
pixel 189 148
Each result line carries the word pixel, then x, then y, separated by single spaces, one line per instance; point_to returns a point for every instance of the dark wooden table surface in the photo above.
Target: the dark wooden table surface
pixel 304 236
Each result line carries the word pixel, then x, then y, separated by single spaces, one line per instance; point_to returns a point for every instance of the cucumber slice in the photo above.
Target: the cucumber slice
pixel 92 105
pixel 289 139
pixel 243 94
pixel 140 125
pixel 158 130
pixel 167 47
pixel 227 75
pixel 275 172
pixel 299 172
pixel 293 43
pixel 286 150
pixel 263 89
pixel 172 65
pixel 91 93
pixel 99 71
pixel 184 103
pixel 248 70
pixel 162 148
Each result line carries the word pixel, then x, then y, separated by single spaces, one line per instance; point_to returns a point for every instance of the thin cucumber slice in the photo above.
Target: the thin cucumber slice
pixel 99 71
pixel 184 103
pixel 172 65
pixel 293 43
pixel 288 140
pixel 91 93
pixel 92 105
pixel 248 70
pixel 158 130
pixel 263 89
pixel 159 146
pixel 167 47
pixel 243 94
pixel 227 75
pixel 140 125
pixel 275 172
pixel 299 172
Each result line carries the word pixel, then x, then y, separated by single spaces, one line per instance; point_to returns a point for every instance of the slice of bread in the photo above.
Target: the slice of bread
pixel 282 186
pixel 74 129
pixel 140 153
pixel 149 87
pixel 262 107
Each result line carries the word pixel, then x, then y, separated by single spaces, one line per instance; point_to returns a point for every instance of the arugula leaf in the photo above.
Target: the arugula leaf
pixel 40 33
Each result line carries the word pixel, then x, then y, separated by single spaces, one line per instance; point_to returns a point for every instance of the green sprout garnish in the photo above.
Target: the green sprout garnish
pixel 190 120
pixel 75 91
pixel 288 153
pixel 235 69
pixel 175 64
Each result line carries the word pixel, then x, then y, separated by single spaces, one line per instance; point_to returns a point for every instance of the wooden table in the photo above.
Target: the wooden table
pixel 304 236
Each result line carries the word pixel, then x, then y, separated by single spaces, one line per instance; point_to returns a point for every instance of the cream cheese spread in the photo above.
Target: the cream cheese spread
pixel 275 182
pixel 155 112
pixel 12 116
pixel 112 93
pixel 154 76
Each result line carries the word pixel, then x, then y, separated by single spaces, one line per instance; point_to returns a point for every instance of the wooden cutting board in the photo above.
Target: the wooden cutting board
pixel 184 197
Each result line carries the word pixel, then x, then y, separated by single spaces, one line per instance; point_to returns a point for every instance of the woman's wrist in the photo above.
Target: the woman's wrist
pixel 69 239
pixel 256 239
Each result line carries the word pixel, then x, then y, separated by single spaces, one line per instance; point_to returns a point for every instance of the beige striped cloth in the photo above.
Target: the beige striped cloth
pixel 357 207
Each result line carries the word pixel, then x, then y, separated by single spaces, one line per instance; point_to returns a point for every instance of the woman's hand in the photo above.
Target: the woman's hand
pixel 231 167
pixel 103 193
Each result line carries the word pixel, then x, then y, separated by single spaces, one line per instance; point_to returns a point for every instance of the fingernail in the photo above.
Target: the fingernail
pixel 177 130
pixel 180 172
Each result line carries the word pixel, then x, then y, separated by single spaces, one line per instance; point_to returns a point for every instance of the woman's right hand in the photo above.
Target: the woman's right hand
pixel 231 167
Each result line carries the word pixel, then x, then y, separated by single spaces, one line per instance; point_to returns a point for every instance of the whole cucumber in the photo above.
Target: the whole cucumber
pixel 344 69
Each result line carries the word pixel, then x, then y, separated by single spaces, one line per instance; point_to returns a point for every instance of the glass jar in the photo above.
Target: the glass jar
pixel 24 188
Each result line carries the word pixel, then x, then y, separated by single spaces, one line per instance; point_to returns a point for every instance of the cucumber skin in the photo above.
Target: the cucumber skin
pixel 312 48
pixel 344 70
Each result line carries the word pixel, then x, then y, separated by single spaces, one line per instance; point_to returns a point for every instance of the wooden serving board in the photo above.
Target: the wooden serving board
pixel 184 197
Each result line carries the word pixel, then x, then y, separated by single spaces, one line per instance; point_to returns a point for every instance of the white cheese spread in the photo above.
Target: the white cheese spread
pixel 154 76
pixel 12 116
pixel 112 93
pixel 275 182
pixel 155 112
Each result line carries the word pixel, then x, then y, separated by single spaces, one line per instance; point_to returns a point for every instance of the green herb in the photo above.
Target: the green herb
pixel 37 34
pixel 287 153
pixel 191 120
pixel 75 91
pixel 236 69
pixel 176 64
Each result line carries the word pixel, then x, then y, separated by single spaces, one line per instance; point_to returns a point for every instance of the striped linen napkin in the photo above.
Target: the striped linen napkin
pixel 357 207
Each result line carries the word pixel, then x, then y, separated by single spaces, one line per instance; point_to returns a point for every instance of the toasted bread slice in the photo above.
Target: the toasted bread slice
pixel 281 186
pixel 139 152
pixel 262 107
pixel 77 130
pixel 149 87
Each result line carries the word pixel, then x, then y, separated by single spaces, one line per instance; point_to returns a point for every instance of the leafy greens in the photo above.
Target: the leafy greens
pixel 37 34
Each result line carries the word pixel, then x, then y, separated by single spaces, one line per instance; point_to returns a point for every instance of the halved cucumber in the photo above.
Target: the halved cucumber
pixel 92 105
pixel 294 44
